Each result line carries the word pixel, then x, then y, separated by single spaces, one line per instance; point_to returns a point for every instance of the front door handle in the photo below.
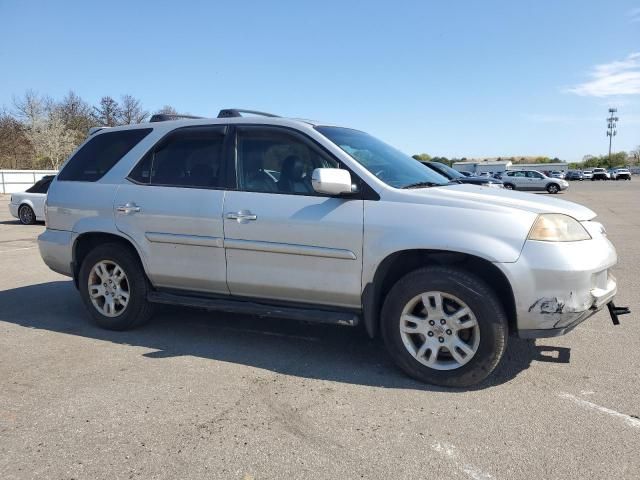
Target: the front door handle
pixel 128 208
pixel 243 216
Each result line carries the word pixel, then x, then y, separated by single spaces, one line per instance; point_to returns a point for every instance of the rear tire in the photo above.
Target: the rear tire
pixel 458 290
pixel 509 186
pixel 105 297
pixel 26 215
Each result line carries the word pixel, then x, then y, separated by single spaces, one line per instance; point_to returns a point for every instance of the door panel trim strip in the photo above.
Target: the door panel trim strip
pixel 181 239
pixel 290 249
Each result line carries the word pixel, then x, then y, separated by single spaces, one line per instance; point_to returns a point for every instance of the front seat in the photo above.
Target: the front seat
pixel 292 177
pixel 255 178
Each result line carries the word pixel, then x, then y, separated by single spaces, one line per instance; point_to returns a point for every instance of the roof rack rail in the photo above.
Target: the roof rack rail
pixel 93 130
pixel 237 112
pixel 165 117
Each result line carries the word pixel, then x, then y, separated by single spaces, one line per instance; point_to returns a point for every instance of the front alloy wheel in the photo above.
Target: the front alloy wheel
pixel 553 188
pixel 444 325
pixel 439 330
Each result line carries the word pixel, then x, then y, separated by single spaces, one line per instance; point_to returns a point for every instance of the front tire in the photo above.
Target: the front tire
pixel 114 287
pixel 26 215
pixel 444 326
pixel 553 188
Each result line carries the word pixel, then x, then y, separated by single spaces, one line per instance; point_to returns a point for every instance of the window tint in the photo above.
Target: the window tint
pixel 100 154
pixel 188 157
pixel 531 174
pixel 41 186
pixel 276 161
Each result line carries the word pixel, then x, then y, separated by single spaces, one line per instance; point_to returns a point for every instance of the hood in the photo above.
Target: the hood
pixel 478 180
pixel 485 198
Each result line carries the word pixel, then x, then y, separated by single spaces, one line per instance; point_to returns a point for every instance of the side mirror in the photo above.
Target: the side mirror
pixel 331 181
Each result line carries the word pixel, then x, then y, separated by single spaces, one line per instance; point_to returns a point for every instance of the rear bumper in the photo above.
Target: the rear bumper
pixel 13 209
pixel 56 249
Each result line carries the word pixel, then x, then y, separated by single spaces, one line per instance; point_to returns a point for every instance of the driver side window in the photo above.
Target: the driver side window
pixel 272 160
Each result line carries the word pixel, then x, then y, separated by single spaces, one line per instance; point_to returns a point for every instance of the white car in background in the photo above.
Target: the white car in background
pixel 621 174
pixel 587 174
pixel 28 206
pixel 558 174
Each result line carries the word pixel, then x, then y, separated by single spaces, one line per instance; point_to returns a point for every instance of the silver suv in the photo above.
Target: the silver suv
pixel 533 180
pixel 301 220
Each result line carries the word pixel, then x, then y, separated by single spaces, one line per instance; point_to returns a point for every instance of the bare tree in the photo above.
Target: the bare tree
pixel 634 155
pixel 107 113
pixel 76 114
pixel 32 107
pixel 51 140
pixel 15 148
pixel 168 109
pixel 131 111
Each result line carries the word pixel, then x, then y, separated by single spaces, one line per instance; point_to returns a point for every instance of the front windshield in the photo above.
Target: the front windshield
pixel 446 169
pixel 388 164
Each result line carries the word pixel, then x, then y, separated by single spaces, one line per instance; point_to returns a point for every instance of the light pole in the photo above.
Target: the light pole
pixel 611 128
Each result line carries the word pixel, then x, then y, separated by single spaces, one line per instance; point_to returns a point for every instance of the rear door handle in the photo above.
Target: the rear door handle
pixel 128 208
pixel 243 216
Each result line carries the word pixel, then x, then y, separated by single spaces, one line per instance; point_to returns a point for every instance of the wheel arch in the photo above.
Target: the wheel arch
pixel 400 263
pixel 25 201
pixel 85 242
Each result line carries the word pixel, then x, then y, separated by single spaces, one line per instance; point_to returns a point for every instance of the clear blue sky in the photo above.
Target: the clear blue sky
pixel 454 78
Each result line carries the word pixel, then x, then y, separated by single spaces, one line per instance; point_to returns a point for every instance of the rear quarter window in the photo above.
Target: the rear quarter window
pixel 100 154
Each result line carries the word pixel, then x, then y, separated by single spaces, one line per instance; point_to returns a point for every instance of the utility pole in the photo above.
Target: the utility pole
pixel 611 128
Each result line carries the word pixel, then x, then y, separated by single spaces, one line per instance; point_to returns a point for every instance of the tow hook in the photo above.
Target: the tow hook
pixel 615 311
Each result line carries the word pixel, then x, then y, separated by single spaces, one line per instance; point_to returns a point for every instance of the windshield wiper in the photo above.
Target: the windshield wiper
pixel 423 185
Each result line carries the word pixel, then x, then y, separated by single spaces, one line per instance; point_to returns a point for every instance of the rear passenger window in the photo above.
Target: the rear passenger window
pixel 100 154
pixel 188 157
pixel 41 186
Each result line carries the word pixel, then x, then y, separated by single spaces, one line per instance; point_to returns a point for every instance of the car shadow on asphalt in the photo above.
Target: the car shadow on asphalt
pixel 17 222
pixel 334 353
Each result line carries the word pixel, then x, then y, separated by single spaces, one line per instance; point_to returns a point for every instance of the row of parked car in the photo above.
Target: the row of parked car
pixel 599 174
pixel 529 180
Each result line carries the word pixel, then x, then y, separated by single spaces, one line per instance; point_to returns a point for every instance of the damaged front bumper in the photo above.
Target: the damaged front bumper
pixel 558 285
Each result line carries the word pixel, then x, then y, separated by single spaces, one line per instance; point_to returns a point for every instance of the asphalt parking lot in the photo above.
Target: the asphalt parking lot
pixel 200 395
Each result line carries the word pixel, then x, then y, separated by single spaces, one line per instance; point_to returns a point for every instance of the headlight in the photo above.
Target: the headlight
pixel 556 227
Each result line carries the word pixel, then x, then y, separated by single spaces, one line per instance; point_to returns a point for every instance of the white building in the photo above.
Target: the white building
pixel 494 166
pixel 482 166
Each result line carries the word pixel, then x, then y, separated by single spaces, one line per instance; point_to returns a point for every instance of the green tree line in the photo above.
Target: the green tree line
pixel 40 132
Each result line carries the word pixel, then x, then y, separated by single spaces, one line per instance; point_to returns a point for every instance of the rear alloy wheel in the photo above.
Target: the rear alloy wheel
pixel 553 188
pixel 26 215
pixel 108 287
pixel 444 326
pixel 114 287
pixel 509 186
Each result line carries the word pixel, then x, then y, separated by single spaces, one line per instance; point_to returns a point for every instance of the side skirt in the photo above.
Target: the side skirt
pixel 249 307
